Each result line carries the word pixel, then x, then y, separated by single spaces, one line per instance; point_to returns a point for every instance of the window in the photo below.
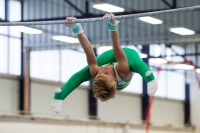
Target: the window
pixel 176 85
pixel 14 12
pixel 179 50
pixel 171 82
pixel 3 54
pixel 2 9
pixel 103 49
pixel 72 62
pixel 155 50
pixel 136 84
pixel 45 65
pixel 14 56
pixel 10 47
pixel 3 29
pixel 134 47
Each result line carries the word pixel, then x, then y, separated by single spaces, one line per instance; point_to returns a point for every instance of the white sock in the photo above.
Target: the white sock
pixel 152 87
pixel 148 73
pixel 58 90
pixel 56 105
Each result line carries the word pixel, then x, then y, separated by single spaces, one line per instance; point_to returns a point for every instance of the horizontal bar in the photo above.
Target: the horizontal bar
pixel 91 15
pixel 178 10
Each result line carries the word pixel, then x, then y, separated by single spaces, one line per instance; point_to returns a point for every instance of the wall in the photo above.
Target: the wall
pixel 167 112
pixel 125 107
pixel 195 106
pixel 42 93
pixel 9 98
pixel 194 88
pixel 32 127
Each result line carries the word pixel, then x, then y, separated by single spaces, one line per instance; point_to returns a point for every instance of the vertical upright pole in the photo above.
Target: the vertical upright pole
pixel 92 100
pixel 145 97
pixel 26 78
pixel 24 81
pixel 187 121
pixel 21 89
pixel 21 84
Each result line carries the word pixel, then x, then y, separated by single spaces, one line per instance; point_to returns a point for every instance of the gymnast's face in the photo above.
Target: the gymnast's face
pixel 108 71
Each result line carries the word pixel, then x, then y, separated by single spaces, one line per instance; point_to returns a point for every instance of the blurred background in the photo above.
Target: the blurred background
pixel 37 59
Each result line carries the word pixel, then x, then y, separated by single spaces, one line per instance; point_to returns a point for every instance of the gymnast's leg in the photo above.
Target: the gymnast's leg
pixel 137 65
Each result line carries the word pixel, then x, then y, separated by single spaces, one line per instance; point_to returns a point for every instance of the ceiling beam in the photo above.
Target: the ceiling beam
pixel 125 41
pixel 168 4
pixel 75 7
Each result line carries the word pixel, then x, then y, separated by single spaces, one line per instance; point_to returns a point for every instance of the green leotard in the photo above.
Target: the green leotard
pixel 121 82
pixel 135 64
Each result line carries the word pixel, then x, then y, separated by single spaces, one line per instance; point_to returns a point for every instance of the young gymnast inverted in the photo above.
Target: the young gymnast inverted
pixel 112 71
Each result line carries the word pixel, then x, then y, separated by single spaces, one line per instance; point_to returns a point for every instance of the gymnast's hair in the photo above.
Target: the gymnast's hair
pixel 104 88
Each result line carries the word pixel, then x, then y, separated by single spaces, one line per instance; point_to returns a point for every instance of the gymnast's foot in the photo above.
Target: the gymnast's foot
pixel 152 87
pixel 57 104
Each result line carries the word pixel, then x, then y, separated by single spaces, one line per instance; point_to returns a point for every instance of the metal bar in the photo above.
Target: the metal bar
pixel 179 10
pixel 164 1
pixel 128 41
pixel 72 5
pixel 93 15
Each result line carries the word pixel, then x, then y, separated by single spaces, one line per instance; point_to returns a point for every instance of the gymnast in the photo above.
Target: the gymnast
pixel 112 71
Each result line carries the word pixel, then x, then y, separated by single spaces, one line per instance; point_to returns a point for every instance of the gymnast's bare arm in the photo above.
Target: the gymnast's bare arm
pixel 91 58
pixel 122 66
